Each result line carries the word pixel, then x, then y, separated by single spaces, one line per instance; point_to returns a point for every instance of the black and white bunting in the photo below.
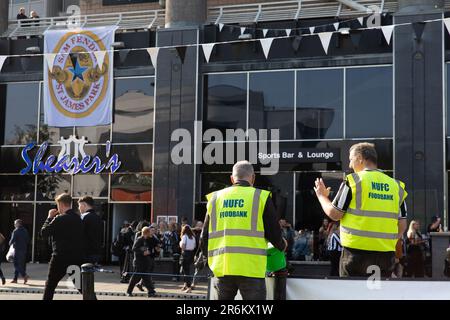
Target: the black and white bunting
pixel 266 45
pixel 265 32
pixel 2 61
pixel 207 50
pixel 325 38
pixel 387 32
pixel 153 53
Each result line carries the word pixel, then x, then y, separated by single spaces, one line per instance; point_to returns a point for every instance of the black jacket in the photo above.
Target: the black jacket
pixel 66 231
pixel 93 233
pixel 140 246
pixel 20 239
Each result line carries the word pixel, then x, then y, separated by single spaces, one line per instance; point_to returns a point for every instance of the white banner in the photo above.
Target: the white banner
pixel 78 87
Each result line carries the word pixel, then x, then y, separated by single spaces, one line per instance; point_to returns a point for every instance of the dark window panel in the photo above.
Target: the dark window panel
pixel 369 105
pixel 272 102
pixel 134 158
pixel 225 101
pixel 42 247
pixel 11 159
pixel 320 104
pixel 131 187
pixel 90 185
pixel 19 113
pixel 49 186
pixel 17 187
pixel 133 111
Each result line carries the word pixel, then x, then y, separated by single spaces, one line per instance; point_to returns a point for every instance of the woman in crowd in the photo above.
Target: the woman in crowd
pixel 187 245
pixel 415 250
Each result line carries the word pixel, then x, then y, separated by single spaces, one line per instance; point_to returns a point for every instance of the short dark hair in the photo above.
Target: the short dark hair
pixel 64 198
pixel 88 200
pixel 366 151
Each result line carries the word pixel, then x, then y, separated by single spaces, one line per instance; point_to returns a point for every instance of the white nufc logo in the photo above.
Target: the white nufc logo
pixel 78 147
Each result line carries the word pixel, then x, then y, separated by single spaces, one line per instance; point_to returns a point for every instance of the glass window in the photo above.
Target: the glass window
pixel 90 185
pixel 225 101
pixel 134 107
pixel 213 182
pixel 320 104
pixel 42 247
pixel 134 158
pixel 98 134
pixel 11 159
pixel 272 102
pixel 49 186
pixel 369 110
pixel 19 114
pixel 17 187
pixel 131 187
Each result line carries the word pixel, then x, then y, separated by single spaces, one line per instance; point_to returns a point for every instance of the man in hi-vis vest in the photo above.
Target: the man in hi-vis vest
pixel 240 220
pixel 371 208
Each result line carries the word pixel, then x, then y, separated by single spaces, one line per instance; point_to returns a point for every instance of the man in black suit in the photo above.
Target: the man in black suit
pixel 65 227
pixel 93 230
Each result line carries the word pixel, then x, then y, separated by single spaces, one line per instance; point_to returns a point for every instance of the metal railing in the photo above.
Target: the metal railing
pixel 243 13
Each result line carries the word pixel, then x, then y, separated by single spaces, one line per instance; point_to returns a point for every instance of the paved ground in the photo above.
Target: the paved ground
pixel 107 286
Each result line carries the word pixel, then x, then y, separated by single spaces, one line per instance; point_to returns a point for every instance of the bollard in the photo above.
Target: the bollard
pixel 87 281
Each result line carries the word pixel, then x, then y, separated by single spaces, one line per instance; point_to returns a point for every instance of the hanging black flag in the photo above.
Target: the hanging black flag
pixel 296 43
pixel 355 36
pixel 181 53
pixel 418 29
pixel 123 54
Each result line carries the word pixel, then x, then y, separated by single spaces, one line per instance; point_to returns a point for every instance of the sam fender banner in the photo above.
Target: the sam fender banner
pixel 78 77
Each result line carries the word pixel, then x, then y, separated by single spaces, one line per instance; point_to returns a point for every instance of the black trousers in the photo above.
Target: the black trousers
pixel 335 257
pixel 188 260
pixel 146 279
pixel 250 288
pixel 1 272
pixel 57 270
pixel 356 263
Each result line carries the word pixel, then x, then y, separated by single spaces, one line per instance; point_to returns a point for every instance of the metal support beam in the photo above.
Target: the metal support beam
pixel 354 5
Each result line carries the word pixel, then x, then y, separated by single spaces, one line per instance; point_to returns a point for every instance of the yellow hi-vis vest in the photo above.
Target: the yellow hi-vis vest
pixel 371 220
pixel 236 243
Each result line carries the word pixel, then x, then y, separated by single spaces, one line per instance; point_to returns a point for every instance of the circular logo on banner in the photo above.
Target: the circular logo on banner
pixel 77 82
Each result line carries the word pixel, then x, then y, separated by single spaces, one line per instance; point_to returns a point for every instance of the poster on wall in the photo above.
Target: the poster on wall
pixel 160 219
pixel 173 219
pixel 78 77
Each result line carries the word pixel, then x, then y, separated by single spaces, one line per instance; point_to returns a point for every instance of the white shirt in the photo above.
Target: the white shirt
pixel 190 243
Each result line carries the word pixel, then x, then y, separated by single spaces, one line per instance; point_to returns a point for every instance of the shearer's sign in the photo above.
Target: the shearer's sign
pixel 68 161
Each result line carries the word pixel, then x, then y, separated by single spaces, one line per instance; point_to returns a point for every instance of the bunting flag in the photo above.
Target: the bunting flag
pixel 266 45
pixel 387 32
pixel 325 38
pixel 336 26
pixel 78 95
pixel 312 29
pixel 2 61
pixel 361 21
pixel 153 53
pixel 123 54
pixel 288 32
pixel 355 36
pixel 418 27
pixel 221 26
pixel 296 43
pixel 447 24
pixel 243 30
pixel 100 56
pixel 50 58
pixel 265 32
pixel 207 50
pixel 181 53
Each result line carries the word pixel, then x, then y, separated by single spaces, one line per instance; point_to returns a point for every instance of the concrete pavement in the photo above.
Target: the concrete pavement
pixel 107 286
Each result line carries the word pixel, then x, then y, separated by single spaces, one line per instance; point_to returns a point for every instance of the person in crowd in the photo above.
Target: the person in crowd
pixel 128 236
pixel 240 265
pixel 93 230
pixel 187 245
pixel 163 227
pixel 171 246
pixel 367 239
pixel 138 230
pixel 334 247
pixel 416 267
pixel 35 17
pixel 21 15
pixel 399 259
pixel 323 236
pixel 434 226
pixel 2 250
pixel 144 250
pixel 197 230
pixel 289 235
pixel 301 247
pixel 65 228
pixel 200 262
pixel 20 239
